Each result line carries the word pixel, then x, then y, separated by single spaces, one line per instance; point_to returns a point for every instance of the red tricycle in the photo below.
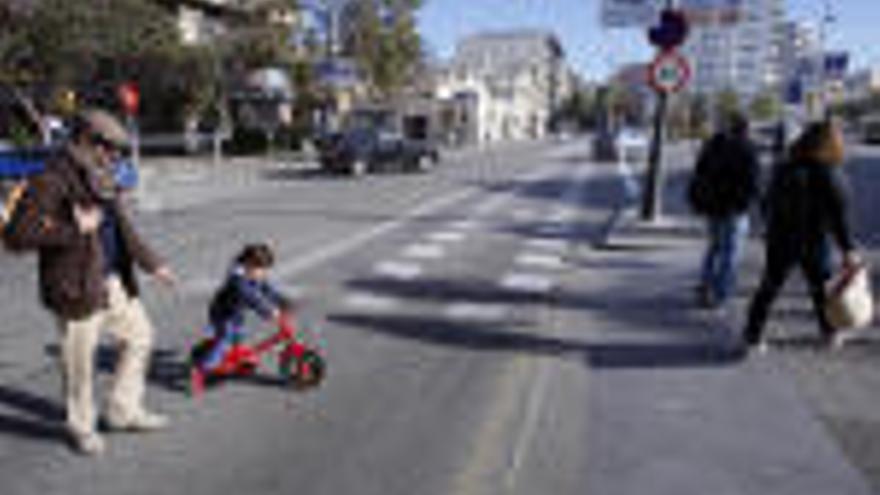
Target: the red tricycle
pixel 300 361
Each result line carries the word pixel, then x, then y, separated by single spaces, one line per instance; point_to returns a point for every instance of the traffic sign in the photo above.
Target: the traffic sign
pixel 671 31
pixel 669 72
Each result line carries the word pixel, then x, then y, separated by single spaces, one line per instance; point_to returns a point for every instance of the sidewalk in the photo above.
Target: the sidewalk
pixel 675 408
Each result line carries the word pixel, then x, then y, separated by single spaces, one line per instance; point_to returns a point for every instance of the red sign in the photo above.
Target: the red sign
pixel 129 97
pixel 669 72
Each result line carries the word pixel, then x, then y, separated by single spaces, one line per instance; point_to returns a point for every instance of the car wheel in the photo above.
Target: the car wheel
pixel 359 168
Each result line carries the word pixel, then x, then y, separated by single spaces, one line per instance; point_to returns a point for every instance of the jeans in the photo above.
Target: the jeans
pixel 224 335
pixel 726 238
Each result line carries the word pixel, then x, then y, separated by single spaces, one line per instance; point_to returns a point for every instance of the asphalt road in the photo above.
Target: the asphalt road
pixel 477 344
pixel 431 294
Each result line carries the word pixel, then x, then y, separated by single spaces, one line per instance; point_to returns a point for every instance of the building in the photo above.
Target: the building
pixel 506 85
pixel 862 85
pixel 201 22
pixel 742 54
pixel 800 43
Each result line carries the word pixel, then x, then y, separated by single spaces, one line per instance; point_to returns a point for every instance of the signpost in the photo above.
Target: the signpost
pixel 669 72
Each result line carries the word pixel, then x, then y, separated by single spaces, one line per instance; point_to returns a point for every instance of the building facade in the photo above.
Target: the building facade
pixel 511 83
pixel 742 54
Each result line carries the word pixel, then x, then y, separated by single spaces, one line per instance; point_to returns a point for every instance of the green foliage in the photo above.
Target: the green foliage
pixel 385 43
pixel 579 109
pixel 727 102
pixel 766 106
pixel 70 43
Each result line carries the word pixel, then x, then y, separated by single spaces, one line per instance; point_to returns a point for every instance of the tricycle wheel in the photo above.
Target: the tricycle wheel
pixel 304 372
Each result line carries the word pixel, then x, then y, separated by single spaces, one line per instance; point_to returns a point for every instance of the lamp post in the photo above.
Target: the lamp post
pixel 828 18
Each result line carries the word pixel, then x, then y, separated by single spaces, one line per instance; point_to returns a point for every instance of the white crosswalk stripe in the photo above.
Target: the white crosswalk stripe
pixel 370 302
pixel 475 311
pixel 527 282
pixel 398 270
pixel 446 236
pixel 424 251
pixel 539 260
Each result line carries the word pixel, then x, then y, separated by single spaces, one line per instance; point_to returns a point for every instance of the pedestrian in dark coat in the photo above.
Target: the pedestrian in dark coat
pixel 807 202
pixel 723 187
pixel 88 248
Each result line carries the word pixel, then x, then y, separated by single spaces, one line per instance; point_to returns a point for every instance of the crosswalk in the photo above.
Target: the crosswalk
pixel 537 260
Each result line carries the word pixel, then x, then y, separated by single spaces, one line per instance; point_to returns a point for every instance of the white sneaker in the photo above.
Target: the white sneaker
pixel 90 444
pixel 143 421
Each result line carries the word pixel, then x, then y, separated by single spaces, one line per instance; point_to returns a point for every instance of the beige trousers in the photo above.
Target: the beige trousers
pixel 127 322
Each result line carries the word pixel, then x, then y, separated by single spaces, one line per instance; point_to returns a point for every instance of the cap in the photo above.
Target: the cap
pixel 105 125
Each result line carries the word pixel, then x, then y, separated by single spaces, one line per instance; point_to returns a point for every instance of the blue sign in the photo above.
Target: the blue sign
pixel 836 64
pixel 794 92
pixel 710 4
pixel 337 72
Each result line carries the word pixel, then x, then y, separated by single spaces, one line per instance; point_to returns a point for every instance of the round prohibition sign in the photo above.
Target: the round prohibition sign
pixel 669 72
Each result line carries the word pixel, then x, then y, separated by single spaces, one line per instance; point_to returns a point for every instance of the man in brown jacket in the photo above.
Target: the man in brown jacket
pixel 87 250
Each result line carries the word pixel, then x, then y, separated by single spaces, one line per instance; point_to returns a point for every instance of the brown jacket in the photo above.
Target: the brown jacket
pixel 70 262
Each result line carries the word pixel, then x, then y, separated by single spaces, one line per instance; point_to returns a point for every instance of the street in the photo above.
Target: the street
pixel 478 342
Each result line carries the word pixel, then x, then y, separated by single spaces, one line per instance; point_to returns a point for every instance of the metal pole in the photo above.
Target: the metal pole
pixel 652 199
pixel 653 192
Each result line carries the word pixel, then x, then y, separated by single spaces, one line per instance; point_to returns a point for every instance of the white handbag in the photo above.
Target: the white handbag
pixel 848 302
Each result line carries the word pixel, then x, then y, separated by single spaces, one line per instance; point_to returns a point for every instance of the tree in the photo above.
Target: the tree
pixel 727 102
pixel 766 106
pixel 77 43
pixel 384 42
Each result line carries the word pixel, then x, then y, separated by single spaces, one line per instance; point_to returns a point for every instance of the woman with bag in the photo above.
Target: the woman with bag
pixel 806 205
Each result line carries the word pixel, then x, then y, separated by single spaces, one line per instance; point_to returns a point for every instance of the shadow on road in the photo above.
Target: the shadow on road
pixel 168 367
pixel 30 416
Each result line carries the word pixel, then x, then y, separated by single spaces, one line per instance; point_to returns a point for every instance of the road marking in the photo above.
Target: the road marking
pixel 326 253
pixel 535 400
pixel 539 260
pixel 296 266
pixel 447 236
pixel 475 311
pixel 466 225
pixel 547 244
pixel 370 302
pixel 397 270
pixel 424 251
pixel 563 215
pixel 523 214
pixel 491 204
pixel 527 282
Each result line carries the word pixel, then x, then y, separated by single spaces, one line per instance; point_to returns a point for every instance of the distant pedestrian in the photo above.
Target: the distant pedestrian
pixel 807 202
pixel 87 246
pixel 723 187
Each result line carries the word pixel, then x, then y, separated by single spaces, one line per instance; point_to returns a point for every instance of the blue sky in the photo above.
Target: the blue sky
pixel 593 50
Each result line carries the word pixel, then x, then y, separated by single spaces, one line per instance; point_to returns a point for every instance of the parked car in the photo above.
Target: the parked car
pixel 364 150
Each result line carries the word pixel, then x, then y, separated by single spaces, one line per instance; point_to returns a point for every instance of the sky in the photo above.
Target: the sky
pixel 593 51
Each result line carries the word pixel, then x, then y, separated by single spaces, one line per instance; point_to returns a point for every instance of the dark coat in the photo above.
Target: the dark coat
pixel 71 264
pixel 239 293
pixel 806 202
pixel 725 179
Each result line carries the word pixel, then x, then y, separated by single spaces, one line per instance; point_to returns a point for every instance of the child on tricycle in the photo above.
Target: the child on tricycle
pixel 223 351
